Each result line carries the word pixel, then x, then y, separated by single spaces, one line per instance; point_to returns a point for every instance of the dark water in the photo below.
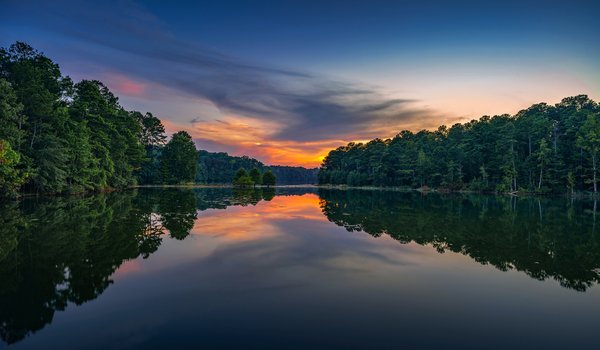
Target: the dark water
pixel 302 269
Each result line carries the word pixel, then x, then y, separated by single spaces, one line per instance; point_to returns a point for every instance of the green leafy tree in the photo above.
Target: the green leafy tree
pixel 243 181
pixel 220 167
pixel 152 131
pixel 41 90
pixel 268 178
pixel 532 150
pixel 152 137
pixel 113 134
pixel 178 160
pixel 255 176
pixel 11 178
pixel 11 116
pixel 241 172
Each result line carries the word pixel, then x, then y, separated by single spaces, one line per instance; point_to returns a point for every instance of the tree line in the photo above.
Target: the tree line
pixel 63 137
pixel 543 149
pixel 220 168
pixel 295 175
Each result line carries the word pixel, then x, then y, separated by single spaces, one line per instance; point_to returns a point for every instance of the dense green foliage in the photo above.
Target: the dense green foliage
pixel 268 178
pixel 104 140
pixel 256 176
pixel 220 168
pixel 294 175
pixel 178 160
pixel 60 137
pixel 11 178
pixel 543 149
pixel 244 179
pixel 153 138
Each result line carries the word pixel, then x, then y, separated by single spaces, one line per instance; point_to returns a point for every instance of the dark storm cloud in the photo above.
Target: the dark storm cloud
pixel 125 37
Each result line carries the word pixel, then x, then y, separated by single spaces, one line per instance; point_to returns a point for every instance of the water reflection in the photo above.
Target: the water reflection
pixel 61 251
pixel 57 251
pixel 545 238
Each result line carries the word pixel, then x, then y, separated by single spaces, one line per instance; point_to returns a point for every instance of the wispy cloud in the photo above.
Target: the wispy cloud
pixel 284 105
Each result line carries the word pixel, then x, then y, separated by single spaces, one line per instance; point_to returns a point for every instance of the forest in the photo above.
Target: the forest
pixel 542 149
pixel 61 137
pixel 58 136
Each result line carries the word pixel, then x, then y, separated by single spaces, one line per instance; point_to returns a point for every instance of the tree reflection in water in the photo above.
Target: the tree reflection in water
pixel 545 238
pixel 56 251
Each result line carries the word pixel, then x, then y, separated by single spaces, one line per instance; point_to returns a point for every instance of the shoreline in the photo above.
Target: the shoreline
pixel 576 195
pixel 223 186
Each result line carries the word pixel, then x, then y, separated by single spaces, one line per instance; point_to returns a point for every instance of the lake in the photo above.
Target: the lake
pixel 298 269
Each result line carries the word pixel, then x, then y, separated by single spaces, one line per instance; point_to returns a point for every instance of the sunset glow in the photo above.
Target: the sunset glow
pixel 324 174
pixel 124 85
pixel 243 138
pixel 255 222
pixel 287 97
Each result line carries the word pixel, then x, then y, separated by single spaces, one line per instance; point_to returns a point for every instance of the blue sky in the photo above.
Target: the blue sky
pixel 285 81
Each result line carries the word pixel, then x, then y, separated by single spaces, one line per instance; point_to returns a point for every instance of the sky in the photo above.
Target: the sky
pixel 286 81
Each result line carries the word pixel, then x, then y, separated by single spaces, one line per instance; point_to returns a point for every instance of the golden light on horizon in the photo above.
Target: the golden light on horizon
pixel 241 140
pixel 247 223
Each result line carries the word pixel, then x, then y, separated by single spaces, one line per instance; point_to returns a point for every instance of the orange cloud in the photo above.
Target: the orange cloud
pixel 253 137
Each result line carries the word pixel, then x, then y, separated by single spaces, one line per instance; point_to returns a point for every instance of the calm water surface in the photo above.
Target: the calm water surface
pixel 305 269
